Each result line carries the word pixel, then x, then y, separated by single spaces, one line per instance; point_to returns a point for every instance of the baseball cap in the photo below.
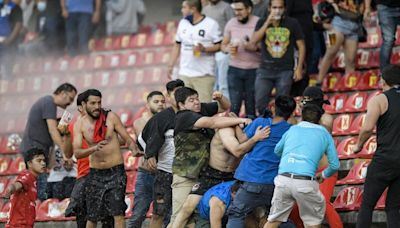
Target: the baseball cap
pixel 315 93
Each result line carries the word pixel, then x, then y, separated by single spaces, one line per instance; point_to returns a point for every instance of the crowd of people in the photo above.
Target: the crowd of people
pixel 54 27
pixel 203 165
pixel 199 163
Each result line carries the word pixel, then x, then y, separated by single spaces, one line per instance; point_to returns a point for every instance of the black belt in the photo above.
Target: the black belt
pixel 299 177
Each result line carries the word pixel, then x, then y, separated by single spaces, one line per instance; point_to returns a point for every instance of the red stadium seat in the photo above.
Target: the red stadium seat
pixel 17 166
pixel 138 40
pixel 131 182
pixel 148 58
pixel 345 148
pixel 162 57
pixel 369 149
pixel 356 174
pixel 131 59
pixel 349 199
pixel 395 58
pixel 125 40
pixel 356 102
pixel 169 39
pixel 96 62
pixel 130 162
pixel 380 205
pixel 350 80
pixel 365 59
pixel 156 38
pixel 63 205
pixel 10 144
pixel 63 64
pixel 332 82
pixel 374 39
pixel 129 203
pixel 5 212
pixel 126 117
pixel 50 210
pixel 357 124
pixel 112 61
pixel 5 163
pixel 48 65
pixel 79 63
pixel 120 78
pixel 341 124
pixel 397 37
pixel 107 44
pixel 86 80
pixel 368 80
pixel 3 186
pixel 337 103
pixel 102 79
pixel 339 61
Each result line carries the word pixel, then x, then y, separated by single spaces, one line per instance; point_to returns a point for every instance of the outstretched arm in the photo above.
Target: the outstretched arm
pixel 219 122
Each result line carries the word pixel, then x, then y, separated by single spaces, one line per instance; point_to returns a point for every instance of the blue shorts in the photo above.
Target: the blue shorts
pixel 348 28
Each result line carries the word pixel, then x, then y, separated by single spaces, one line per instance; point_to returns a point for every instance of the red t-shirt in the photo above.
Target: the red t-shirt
pixel 22 211
pixel 83 163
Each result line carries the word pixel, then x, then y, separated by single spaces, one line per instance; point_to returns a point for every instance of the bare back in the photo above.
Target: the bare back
pixel 110 155
pixel 220 158
pixel 138 126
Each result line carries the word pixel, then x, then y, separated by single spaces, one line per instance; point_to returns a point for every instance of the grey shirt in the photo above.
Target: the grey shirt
pixel 36 134
pixel 123 16
pixel 261 9
pixel 221 12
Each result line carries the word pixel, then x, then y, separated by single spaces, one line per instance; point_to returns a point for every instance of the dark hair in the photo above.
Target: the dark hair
pixel 171 85
pixel 81 98
pixel 311 113
pixel 391 74
pixel 65 87
pixel 246 3
pixel 284 106
pixel 154 93
pixel 31 154
pixel 183 93
pixel 195 3
pixel 270 3
pixel 91 92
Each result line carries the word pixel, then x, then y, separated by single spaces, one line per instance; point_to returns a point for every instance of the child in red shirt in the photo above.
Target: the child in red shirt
pixel 23 192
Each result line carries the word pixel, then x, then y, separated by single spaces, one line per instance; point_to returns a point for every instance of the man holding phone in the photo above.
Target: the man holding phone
pixel 244 60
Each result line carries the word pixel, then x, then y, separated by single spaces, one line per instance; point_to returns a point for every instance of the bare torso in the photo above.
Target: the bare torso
pixel 220 158
pixel 110 155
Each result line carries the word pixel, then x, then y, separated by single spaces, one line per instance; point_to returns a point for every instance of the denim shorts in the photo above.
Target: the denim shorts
pixel 347 27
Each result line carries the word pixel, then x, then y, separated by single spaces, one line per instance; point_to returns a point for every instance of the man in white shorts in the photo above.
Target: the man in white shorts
pixel 296 181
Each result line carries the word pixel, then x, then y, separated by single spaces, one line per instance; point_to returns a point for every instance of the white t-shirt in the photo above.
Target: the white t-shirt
pixel 207 33
pixel 167 152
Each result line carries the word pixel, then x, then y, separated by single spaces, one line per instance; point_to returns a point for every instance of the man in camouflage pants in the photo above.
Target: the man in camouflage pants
pixel 193 134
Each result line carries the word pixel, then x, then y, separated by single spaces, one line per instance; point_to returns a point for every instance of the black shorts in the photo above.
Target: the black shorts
pixel 77 204
pixel 162 193
pixel 105 193
pixel 208 178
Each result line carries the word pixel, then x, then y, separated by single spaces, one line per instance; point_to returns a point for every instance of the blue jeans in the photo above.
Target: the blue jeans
pixel 247 198
pixel 41 186
pixel 143 198
pixel 241 87
pixel 55 33
pixel 266 80
pixel 78 27
pixel 389 19
pixel 222 61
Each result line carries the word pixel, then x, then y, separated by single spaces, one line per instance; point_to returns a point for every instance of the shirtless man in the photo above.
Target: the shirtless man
pixel 107 178
pixel 225 155
pixel 145 175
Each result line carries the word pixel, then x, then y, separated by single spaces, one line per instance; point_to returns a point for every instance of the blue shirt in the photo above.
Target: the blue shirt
pixel 261 164
pixel 302 148
pixel 80 6
pixel 221 191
